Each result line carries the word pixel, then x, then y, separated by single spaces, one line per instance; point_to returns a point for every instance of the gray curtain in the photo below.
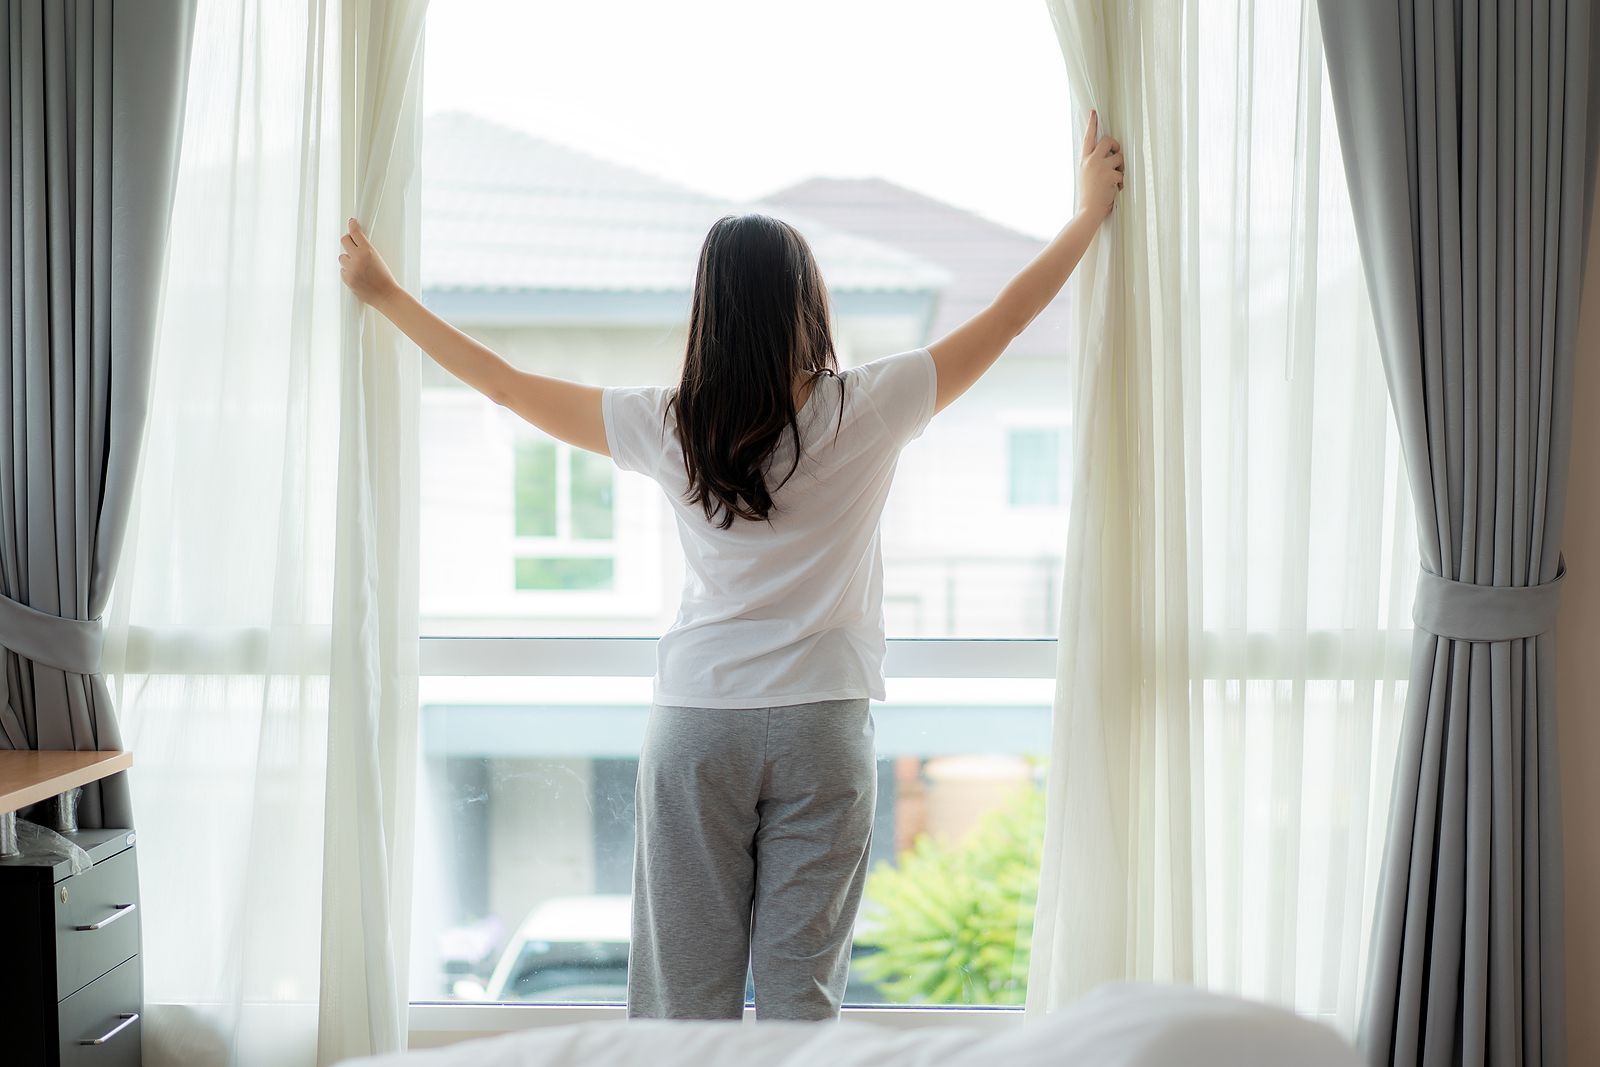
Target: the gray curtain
pixel 1469 143
pixel 93 92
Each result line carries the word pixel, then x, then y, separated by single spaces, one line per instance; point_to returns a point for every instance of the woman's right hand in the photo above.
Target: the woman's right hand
pixel 1099 172
pixel 362 269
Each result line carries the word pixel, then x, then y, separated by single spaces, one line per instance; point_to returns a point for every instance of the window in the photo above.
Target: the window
pixel 562 510
pixel 522 534
pixel 563 206
pixel 546 572
pixel 569 172
pixel 1034 467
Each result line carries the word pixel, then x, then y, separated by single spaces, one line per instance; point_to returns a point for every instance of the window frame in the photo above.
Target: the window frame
pixel 1318 655
pixel 1323 655
pixel 434 1023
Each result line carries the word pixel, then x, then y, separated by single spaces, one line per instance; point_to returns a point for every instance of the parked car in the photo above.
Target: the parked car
pixel 574 950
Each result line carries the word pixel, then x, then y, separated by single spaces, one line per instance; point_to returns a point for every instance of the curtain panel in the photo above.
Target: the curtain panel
pixel 93 91
pixel 263 634
pixel 1233 643
pixel 1120 864
pixel 372 728
pixel 1470 135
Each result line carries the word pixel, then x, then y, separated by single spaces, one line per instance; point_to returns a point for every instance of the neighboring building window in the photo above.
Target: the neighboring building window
pixel 565 525
pixel 1033 463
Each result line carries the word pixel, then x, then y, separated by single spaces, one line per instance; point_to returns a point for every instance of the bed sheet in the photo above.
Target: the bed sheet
pixel 1123 1025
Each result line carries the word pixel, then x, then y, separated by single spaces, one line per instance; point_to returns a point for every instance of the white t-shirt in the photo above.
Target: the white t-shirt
pixel 787 611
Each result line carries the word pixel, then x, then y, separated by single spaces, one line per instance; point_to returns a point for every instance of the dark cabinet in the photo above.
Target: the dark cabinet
pixel 71 989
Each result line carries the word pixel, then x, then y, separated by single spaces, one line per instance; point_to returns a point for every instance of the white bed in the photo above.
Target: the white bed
pixel 1128 1025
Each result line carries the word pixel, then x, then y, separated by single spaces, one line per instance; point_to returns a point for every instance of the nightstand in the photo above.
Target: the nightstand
pixel 71 989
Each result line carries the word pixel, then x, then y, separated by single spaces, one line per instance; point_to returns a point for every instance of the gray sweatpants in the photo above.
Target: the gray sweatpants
pixel 753 832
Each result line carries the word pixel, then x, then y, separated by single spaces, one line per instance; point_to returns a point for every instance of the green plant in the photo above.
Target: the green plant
pixel 951 923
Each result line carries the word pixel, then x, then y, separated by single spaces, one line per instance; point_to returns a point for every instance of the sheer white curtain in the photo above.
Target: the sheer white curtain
pixel 1235 628
pixel 263 631
pixel 1118 891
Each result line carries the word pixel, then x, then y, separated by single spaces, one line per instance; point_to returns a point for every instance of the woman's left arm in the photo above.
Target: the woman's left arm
pixel 565 410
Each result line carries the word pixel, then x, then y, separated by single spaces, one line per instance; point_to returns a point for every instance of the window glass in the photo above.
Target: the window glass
pixel 535 489
pixel 525 831
pixel 591 496
pixel 1034 462
pixel 562 214
pixel 563 572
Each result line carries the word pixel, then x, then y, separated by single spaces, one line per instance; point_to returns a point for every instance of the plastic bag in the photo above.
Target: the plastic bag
pixel 36 840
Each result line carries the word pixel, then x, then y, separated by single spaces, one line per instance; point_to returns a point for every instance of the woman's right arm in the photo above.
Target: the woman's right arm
pixel 962 357
pixel 565 410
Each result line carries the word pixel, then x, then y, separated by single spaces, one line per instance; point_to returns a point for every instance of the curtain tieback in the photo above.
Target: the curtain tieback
pixel 71 645
pixel 1464 611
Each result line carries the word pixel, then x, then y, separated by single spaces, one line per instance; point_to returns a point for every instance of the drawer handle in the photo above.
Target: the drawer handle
pixel 119 910
pixel 128 1019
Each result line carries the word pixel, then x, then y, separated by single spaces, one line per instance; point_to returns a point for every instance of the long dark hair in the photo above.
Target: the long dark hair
pixel 758 326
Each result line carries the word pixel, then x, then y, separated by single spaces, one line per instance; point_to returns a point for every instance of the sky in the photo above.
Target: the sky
pixel 964 100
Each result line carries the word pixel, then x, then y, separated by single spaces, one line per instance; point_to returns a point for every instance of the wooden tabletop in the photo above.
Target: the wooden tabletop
pixel 27 777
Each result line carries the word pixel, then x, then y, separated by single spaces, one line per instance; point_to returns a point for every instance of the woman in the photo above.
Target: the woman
pixel 757 780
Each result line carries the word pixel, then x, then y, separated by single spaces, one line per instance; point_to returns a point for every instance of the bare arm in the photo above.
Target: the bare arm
pixel 565 410
pixel 961 357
